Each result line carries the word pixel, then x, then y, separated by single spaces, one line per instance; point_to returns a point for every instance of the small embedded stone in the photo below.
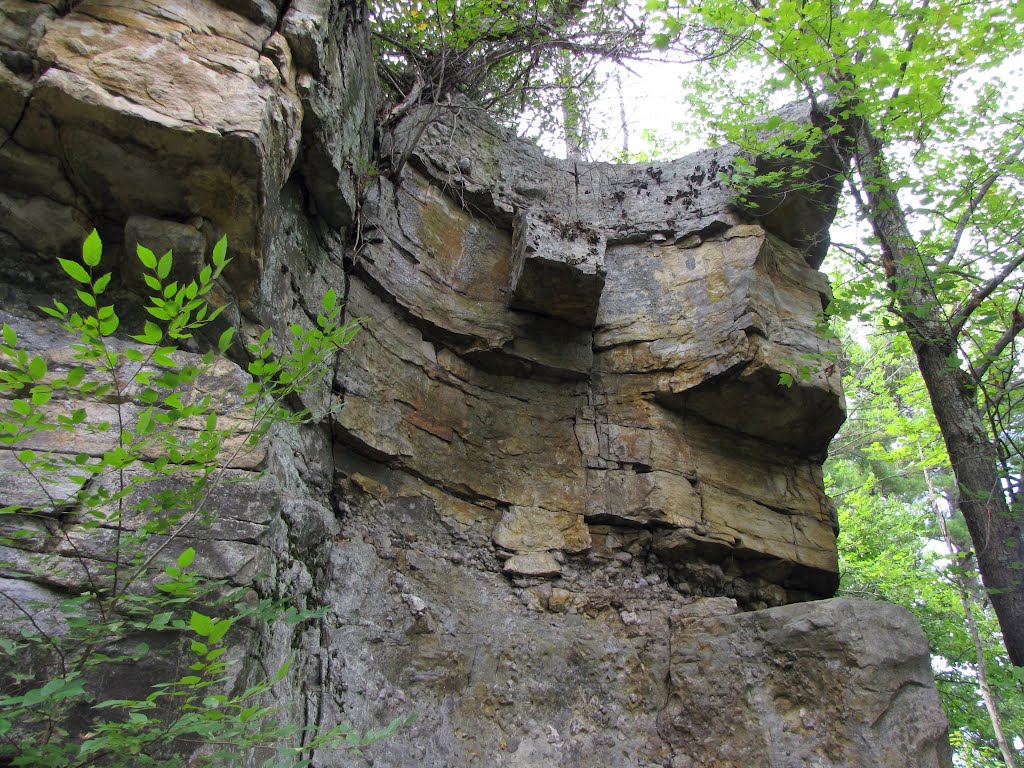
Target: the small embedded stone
pixel 532 564
pixel 631 618
pixel 416 604
pixel 560 600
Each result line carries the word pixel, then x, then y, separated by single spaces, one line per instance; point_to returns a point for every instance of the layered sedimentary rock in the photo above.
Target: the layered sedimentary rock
pixel 596 350
pixel 563 463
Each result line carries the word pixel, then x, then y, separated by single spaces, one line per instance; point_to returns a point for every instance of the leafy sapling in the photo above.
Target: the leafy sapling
pixel 114 452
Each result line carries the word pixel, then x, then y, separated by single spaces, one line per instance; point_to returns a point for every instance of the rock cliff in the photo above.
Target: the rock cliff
pixel 566 513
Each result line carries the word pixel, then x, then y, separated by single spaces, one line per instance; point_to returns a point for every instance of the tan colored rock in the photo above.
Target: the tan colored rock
pixel 561 600
pixel 532 564
pixel 534 529
pixel 144 103
pixel 510 440
pixel 631 497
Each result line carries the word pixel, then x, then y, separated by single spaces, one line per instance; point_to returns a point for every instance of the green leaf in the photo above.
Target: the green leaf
pixel 349 334
pixel 282 671
pixel 75 271
pixel 163 267
pixel 162 356
pixel 10 337
pixel 37 368
pixel 220 252
pixel 330 300
pixel 201 625
pixel 108 326
pixel 219 630
pixel 225 339
pixel 146 256
pixel 92 249
pixel 101 284
pixel 185 558
pixel 152 334
pixel 159 312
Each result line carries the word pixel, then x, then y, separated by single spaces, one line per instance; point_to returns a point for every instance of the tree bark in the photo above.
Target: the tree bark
pixel 995 529
pixel 958 571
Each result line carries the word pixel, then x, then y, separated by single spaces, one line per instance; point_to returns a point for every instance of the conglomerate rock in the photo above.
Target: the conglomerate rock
pixel 563 462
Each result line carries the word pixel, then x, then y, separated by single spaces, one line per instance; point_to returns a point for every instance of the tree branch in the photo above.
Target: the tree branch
pixel 972 206
pixel 1001 343
pixel 979 294
pixel 965 218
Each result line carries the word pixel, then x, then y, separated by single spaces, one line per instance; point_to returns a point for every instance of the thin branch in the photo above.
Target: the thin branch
pixel 39 630
pixel 979 294
pixel 965 218
pixel 1001 343
pixel 975 201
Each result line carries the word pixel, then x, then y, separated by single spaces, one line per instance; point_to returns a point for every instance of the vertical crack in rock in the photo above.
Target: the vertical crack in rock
pixel 9 132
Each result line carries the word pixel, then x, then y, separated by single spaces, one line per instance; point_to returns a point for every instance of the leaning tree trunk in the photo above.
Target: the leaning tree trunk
pixel 996 530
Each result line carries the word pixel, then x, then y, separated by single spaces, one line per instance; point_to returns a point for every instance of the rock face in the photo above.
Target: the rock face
pixel 563 462
pixel 783 703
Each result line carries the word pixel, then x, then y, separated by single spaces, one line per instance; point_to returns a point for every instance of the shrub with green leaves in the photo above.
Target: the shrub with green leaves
pixel 124 443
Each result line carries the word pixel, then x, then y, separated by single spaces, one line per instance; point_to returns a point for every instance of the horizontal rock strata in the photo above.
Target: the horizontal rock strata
pixel 601 345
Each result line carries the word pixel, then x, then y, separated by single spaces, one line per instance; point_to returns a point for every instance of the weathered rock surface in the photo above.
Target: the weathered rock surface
pixel 784 704
pixel 563 461
pixel 663 365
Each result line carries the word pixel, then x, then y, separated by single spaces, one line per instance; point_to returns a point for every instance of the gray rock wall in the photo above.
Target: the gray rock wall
pixel 563 464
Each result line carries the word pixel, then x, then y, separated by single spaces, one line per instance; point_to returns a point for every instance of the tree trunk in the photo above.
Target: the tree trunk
pixel 996 531
pixel 958 571
pixel 623 123
pixel 573 118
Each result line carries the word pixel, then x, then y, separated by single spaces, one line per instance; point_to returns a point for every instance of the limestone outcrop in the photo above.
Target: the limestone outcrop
pixel 566 512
